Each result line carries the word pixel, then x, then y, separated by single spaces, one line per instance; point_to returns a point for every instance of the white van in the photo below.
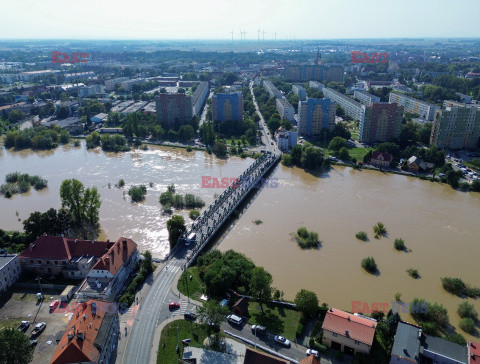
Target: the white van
pixel 191 239
pixel 234 319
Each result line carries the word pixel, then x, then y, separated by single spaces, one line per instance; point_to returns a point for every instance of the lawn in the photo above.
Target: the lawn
pixel 10 323
pixel 282 321
pixel 168 342
pixel 358 153
pixel 195 286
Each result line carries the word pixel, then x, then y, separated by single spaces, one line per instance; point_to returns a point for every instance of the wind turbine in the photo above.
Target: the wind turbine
pixel 275 35
pixel 263 31
pixel 258 34
pixel 241 35
pixel 244 33
pixel 232 35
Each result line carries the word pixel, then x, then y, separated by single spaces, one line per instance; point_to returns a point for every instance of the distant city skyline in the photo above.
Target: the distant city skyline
pixel 189 19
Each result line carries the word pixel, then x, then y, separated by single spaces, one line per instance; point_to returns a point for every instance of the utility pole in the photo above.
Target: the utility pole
pixel 38 279
pixel 178 341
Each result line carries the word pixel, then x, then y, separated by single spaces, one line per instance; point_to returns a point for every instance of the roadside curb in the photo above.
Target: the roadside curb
pixel 156 338
pixel 175 291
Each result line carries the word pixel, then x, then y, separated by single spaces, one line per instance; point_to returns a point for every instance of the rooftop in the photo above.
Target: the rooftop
pixel 443 347
pixel 407 342
pixel 256 357
pixel 349 325
pixel 116 256
pixel 5 259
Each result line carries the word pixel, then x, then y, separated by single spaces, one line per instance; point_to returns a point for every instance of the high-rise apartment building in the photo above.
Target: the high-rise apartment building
pixel 227 107
pixel 174 109
pixel 314 115
pixel 423 109
pixel 381 122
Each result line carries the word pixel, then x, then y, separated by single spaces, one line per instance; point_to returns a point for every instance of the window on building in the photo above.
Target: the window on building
pixel 357 342
pixel 335 334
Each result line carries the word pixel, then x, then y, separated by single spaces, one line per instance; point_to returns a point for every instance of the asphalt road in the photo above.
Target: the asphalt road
pixel 153 310
pixel 295 351
pixel 266 138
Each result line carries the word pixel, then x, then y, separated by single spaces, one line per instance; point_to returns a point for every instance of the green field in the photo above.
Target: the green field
pixel 168 342
pixel 278 320
pixel 195 287
pixel 358 153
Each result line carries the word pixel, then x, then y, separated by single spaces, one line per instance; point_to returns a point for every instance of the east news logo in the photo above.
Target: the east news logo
pixel 363 57
pixel 59 57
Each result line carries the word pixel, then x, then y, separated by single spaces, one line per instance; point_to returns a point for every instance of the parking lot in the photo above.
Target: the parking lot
pixel 22 305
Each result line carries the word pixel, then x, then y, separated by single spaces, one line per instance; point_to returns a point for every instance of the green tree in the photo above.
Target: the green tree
pixel 343 154
pixel 62 112
pixel 14 347
pixel 312 158
pixel 261 285
pixel 93 140
pixel 176 227
pixel 337 143
pixel 466 309
pixel 307 302
pixel 186 132
pixel 220 149
pixel 212 314
pixel 83 204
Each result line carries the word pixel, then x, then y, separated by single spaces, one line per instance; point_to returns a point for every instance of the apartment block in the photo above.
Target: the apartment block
pixel 285 109
pixel 300 92
pixel 199 96
pixel 271 89
pixel 306 72
pixel 9 270
pixel 365 98
pixel 424 109
pixel 381 122
pixel 314 115
pixel 87 91
pixel 352 108
pixel 227 107
pixel 174 110
pixel 317 85
pixel 456 128
pixel 110 84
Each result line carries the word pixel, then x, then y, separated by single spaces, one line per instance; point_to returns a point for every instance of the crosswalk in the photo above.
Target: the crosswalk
pixel 184 307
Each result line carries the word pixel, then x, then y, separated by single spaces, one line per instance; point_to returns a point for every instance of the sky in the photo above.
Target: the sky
pixel 216 19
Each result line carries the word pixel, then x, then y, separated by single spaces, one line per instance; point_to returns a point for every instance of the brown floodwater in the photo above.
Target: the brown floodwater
pixel 441 226
pixel 143 222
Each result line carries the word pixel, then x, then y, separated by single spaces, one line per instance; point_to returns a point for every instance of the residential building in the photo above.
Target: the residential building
pixel 307 72
pixel 381 122
pixel 111 131
pixel 174 110
pixel 300 92
pixel 240 308
pixel 352 107
pixel 199 96
pixel 311 359
pixel 110 272
pixel 91 335
pixel 271 89
pixel 79 76
pixel 473 352
pixel 411 345
pixel 86 91
pixel 416 164
pixel 285 109
pixel 349 333
pixel 333 74
pixel 317 85
pixel 423 109
pixel 253 356
pixel 456 128
pixel 72 124
pixel 464 98
pixel 365 98
pixel 110 84
pixel 9 270
pixel 227 107
pixel 58 255
pixel 204 356
pixel 286 140
pixel 128 84
pixel 381 159
pixel 314 115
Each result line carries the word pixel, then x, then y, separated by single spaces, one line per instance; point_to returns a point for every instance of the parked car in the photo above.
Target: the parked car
pixel 259 330
pixel 33 342
pixel 282 341
pixel 54 304
pixel 23 326
pixel 190 316
pixel 312 352
pixel 234 319
pixel 39 328
pixel 174 305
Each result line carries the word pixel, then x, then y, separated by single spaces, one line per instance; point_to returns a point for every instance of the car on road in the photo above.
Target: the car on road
pixel 271 143
pixel 234 319
pixel 39 328
pixel 282 341
pixel 259 330
pixel 190 316
pixel 312 352
pixel 173 305
pixel 23 326
pixel 33 342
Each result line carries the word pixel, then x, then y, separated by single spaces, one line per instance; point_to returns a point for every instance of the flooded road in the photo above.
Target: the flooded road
pixel 142 222
pixel 440 226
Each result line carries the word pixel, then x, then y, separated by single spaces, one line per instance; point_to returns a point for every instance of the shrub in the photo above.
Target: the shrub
pixel 194 214
pixel 178 201
pixel 189 149
pixel 362 235
pixel 379 230
pixel 8 189
pixel 12 177
pixel 466 309
pixel 412 272
pixel 192 201
pixel 424 311
pixel 307 239
pixel 399 244
pixel 76 143
pixel 369 264
pixel 472 292
pixel 40 184
pixel 467 324
pixel 137 193
pixel 398 296
pixel 166 198
pixel 453 285
pixel 23 186
pixel 257 222
pixel 121 183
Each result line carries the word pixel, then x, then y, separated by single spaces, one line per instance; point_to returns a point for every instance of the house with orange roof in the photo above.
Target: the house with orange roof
pixel 91 335
pixel 473 353
pixel 110 272
pixel 349 333
pixel 62 256
pixel 311 359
